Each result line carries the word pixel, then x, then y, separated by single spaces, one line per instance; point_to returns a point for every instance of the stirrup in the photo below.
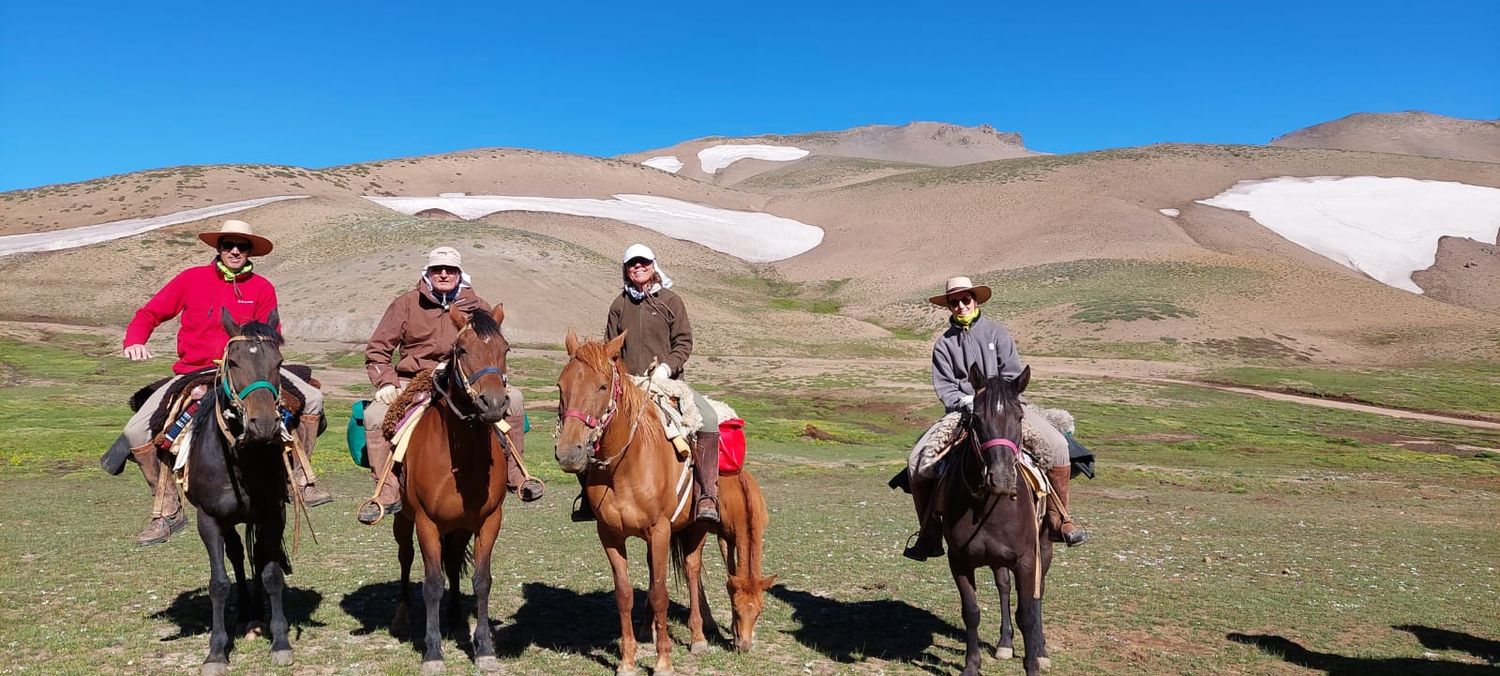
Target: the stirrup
pixel 916 552
pixel 380 511
pixel 582 510
pixel 531 489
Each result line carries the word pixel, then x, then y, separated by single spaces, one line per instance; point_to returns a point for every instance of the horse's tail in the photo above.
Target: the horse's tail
pixel 679 557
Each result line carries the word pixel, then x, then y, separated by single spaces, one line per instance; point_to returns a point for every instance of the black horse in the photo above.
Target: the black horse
pixel 990 519
pixel 237 475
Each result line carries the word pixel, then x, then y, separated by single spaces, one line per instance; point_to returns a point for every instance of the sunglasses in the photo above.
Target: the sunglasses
pixel 244 247
pixel 963 300
pixel 443 270
pixel 638 263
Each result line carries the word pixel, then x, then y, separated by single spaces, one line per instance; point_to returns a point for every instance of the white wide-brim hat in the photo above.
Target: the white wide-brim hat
pixel 259 246
pixel 960 285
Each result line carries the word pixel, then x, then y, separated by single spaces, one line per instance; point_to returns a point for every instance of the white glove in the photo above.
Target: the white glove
pixel 966 403
pixel 137 352
pixel 386 394
pixel 662 372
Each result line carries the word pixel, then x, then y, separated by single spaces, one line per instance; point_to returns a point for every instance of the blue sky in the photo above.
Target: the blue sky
pixel 95 88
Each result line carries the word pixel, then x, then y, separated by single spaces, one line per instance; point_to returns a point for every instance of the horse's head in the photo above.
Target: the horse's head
pixel 588 391
pixel 250 376
pixel 477 364
pixel 995 427
pixel 745 595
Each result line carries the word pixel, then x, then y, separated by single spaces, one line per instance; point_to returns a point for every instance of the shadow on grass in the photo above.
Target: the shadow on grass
pixel 852 631
pixel 1447 639
pixel 193 612
pixel 564 621
pixel 1340 665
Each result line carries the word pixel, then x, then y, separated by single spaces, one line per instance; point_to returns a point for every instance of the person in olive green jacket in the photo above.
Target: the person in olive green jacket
pixel 658 332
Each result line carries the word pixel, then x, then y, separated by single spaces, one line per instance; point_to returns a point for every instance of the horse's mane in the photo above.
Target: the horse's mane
pixel 484 325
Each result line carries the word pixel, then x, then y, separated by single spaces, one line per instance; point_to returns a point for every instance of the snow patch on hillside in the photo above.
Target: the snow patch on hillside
pixel 104 232
pixel 667 163
pixel 714 158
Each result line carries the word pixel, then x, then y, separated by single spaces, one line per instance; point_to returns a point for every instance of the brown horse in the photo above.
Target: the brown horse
pixel 606 426
pixel 990 519
pixel 455 483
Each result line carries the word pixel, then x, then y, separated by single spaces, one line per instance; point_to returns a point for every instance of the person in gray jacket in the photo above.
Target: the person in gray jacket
pixel 974 339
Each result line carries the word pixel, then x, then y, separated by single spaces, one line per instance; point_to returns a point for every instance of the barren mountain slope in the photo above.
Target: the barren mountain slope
pixel 1409 133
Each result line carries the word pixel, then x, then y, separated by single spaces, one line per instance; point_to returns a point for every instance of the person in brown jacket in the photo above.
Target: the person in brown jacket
pixel 417 324
pixel 658 332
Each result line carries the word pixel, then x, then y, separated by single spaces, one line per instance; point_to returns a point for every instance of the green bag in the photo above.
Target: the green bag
pixel 355 436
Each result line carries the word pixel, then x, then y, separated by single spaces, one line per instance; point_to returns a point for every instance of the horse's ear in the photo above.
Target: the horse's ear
pixel 274 319
pixel 227 320
pixel 498 313
pixel 767 581
pixel 612 349
pixel 458 316
pixel 571 342
pixel 1023 379
pixel 976 377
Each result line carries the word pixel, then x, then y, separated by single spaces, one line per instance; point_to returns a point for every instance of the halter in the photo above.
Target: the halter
pixel 1001 441
pixel 236 398
pixel 597 425
pixel 468 382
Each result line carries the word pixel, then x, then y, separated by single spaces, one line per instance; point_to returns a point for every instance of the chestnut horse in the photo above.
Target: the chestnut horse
pixel 455 483
pixel 608 428
pixel 990 519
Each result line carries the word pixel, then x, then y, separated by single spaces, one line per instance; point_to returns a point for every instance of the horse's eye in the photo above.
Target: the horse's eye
pixel 231 363
pixel 602 387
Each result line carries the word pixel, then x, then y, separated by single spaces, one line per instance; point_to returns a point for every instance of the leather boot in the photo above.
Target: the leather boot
pixel 167 516
pixel 582 510
pixel 706 474
pixel 388 494
pixel 307 437
pixel 525 487
pixel 929 539
pixel 1058 521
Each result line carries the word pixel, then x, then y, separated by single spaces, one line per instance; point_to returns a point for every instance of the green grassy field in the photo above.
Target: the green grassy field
pixel 1231 535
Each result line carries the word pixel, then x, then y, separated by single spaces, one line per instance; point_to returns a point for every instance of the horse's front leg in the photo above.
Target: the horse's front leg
pixel 619 565
pixel 1006 648
pixel 268 557
pixel 660 547
pixel 484 549
pixel 431 542
pixel 249 607
pixel 692 538
pixel 1029 616
pixel 402 529
pixel 964 578
pixel 212 534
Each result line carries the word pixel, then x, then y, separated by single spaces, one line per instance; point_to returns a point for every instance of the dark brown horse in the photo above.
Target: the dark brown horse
pixel 633 477
pixel 455 483
pixel 990 519
pixel 237 474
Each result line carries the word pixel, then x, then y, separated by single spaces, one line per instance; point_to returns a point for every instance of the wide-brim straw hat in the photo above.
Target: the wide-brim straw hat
pixel 259 246
pixel 960 285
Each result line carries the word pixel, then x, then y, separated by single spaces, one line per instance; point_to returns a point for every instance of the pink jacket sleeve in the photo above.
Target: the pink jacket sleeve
pixel 166 304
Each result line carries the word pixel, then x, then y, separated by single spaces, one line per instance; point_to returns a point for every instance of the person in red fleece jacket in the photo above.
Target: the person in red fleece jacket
pixel 198 294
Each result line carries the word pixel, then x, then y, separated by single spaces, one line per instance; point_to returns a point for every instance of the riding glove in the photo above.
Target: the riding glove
pixel 386 395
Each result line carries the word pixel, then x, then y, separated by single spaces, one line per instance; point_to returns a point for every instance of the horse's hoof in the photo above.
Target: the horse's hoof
pixel 487 664
pixel 1044 663
pixel 281 658
pixel 213 668
pixel 1005 653
pixel 432 668
pixel 623 670
pixel 698 648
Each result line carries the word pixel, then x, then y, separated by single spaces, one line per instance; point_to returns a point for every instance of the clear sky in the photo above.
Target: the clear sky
pixel 94 88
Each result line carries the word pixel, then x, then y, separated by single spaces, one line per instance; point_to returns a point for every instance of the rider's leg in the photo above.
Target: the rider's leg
pixel 307 437
pixel 706 462
pixel 526 487
pixel 379 450
pixel 930 534
pixel 166 507
pixel 1052 456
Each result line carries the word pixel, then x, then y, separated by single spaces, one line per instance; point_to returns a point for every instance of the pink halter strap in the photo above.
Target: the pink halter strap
pixel 1000 441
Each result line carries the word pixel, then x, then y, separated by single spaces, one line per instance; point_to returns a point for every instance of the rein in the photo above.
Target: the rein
pixel 468 381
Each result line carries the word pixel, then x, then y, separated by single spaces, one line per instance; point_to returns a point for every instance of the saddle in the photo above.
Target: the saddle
pixel 177 397
pixel 418 391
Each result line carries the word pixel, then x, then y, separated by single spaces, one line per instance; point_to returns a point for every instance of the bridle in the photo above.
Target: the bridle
pixel 468 381
pixel 598 424
pixel 979 449
pixel 236 397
